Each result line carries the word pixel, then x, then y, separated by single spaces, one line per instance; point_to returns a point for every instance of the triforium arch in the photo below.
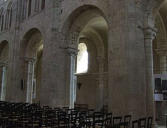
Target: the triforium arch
pixel 4 57
pixel 90 27
pixel 9 16
pixel 2 17
pixel 31 56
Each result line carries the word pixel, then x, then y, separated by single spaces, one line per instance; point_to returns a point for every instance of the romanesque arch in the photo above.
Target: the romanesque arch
pixel 89 27
pixel 31 51
pixel 9 16
pixel 1 19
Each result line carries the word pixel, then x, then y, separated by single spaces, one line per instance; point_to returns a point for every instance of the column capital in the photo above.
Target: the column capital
pixel 150 33
pixel 3 64
pixel 27 59
pixel 72 50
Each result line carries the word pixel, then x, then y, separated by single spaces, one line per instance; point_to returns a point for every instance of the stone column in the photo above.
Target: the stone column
pixel 54 90
pixel 3 84
pixel 100 83
pixel 72 52
pixel 30 78
pixel 34 88
pixel 126 57
pixel 149 35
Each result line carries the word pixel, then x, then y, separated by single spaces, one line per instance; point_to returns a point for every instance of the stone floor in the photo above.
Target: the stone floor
pixel 161 124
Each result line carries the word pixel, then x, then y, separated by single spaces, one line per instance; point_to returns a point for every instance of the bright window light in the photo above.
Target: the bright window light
pixel 82 58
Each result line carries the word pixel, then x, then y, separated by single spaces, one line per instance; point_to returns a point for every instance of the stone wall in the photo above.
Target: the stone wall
pixel 127 58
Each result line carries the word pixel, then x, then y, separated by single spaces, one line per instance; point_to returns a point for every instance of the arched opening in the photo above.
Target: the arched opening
pixel 89 36
pixel 29 7
pixel 4 51
pixel 37 2
pixel 1 19
pixel 32 51
pixel 42 4
pixel 8 17
pixel 160 65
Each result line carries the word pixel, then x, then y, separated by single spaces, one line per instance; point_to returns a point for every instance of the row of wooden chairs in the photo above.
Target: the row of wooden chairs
pixel 23 115
pixel 143 123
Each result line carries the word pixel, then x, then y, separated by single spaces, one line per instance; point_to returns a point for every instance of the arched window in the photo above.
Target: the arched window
pixel 1 19
pixel 1 13
pixel 24 10
pixel 29 7
pixel 42 4
pixel 2 22
pixel 82 58
pixel 36 5
pixel 8 17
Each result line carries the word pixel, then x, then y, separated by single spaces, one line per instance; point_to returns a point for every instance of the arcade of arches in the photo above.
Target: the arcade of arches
pixel 66 53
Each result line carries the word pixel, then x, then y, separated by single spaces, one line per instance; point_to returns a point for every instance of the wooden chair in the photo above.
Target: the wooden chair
pixel 142 123
pixel 116 121
pixel 98 119
pixel 63 120
pixel 108 120
pixel 135 124
pixel 127 121
pixel 149 122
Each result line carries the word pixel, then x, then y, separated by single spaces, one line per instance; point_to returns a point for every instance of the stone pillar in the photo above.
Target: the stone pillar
pixel 100 102
pixel 30 79
pixel 3 84
pixel 54 87
pixel 126 57
pixel 34 88
pixel 72 52
pixel 149 35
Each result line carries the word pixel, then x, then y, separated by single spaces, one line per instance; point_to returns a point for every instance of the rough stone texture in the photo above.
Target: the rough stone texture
pixel 120 42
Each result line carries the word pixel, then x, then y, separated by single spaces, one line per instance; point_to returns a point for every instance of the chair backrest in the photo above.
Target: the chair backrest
pixel 61 115
pixel 109 115
pixel 83 114
pixel 108 120
pixel 117 120
pixel 98 116
pixel 135 124
pixel 142 123
pixel 98 119
pixel 127 119
pixel 149 122
pixel 90 111
pixel 73 115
